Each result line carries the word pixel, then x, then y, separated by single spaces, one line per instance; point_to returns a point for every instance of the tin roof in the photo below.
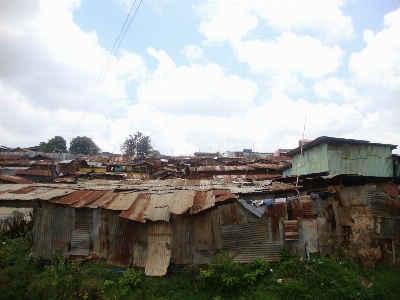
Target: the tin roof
pixel 328 139
pixel 13 179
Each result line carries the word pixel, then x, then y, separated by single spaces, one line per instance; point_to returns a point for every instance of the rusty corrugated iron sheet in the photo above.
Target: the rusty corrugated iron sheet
pixel 138 210
pixel 264 166
pixel 391 189
pixel 247 241
pixel 52 229
pixel 80 239
pixel 123 201
pixel 268 251
pixel 221 168
pixel 182 247
pixel 182 201
pixel 344 216
pixel 306 207
pixel 90 197
pixel 277 210
pixel 223 195
pixel 202 200
pixel 384 206
pixel 159 249
pixel 207 234
pixel 291 230
pixel 25 190
pixel 232 213
pixel 43 173
pixel 158 209
pixel 107 197
pixel 72 198
pixel 120 248
pixel 13 179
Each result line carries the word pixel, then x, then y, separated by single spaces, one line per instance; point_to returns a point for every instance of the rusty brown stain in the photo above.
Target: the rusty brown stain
pixel 391 189
pixel 137 211
pixel 276 210
pixel 72 198
pixel 90 197
pixel 198 201
pixel 24 190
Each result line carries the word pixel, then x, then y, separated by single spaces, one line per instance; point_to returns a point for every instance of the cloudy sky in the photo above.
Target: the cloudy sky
pixel 199 75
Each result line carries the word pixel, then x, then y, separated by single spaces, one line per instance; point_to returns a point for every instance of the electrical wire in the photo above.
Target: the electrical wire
pixel 104 71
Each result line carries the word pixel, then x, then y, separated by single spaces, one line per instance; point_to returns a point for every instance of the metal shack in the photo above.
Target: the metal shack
pixel 329 155
pixel 153 224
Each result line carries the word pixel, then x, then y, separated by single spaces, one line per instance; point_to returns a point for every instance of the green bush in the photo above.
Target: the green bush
pixel 224 274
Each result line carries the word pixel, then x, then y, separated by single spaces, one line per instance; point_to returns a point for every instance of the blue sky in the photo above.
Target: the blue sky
pixel 200 75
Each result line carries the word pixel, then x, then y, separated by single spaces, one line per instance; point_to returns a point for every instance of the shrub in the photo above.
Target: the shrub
pixel 224 274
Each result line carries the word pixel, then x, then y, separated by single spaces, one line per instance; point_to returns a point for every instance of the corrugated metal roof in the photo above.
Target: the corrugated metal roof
pixel 25 190
pixel 138 210
pixel 183 200
pixel 221 168
pixel 72 198
pixel 88 198
pixel 391 189
pixel 384 206
pixel 159 249
pixel 202 200
pixel 102 200
pixel 34 173
pixel 122 202
pixel 14 179
pixel 158 209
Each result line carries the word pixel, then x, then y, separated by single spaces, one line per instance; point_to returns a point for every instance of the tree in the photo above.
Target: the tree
pixel 83 145
pixel 138 144
pixel 56 142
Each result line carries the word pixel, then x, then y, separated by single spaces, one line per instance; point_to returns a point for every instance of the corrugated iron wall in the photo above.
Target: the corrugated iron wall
pixel 52 227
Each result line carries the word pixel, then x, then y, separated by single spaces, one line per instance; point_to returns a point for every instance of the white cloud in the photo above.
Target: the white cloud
pixel 290 53
pixel 195 90
pixel 233 20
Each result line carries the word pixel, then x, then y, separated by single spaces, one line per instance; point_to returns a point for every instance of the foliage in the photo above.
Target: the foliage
pixel 56 142
pixel 138 144
pixel 224 274
pixel 290 278
pixel 19 225
pixel 83 145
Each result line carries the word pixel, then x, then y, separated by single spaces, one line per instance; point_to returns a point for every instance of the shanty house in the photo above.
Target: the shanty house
pixel 329 155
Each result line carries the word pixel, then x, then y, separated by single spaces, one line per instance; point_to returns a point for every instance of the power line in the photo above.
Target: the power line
pixel 104 71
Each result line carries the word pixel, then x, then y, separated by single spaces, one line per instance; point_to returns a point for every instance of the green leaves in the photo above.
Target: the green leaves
pixel 138 144
pixel 83 145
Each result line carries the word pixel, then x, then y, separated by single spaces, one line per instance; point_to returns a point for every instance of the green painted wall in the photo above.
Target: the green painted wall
pixel 360 159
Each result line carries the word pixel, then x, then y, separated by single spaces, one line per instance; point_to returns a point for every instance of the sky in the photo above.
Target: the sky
pixel 199 75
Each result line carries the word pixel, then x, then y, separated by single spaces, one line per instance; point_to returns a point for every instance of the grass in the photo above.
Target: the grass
pixel 290 278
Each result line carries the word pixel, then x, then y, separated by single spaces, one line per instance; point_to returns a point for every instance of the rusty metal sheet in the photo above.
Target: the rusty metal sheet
pixel 202 200
pixel 231 213
pixel 80 239
pixel 182 201
pixel 123 201
pixel 207 234
pixel 384 206
pixel 223 195
pixel 120 250
pixel 25 190
pixel 277 210
pixel 234 237
pixel 90 197
pixel 268 251
pixel 291 230
pixel 107 197
pixel 182 248
pixel 138 210
pixel 139 242
pixel 324 236
pixel 107 232
pixel 159 207
pixel 248 241
pixel 297 210
pixel 52 229
pixel 159 248
pixel 387 228
pixel 72 198
pixel 391 189
pixel 306 207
